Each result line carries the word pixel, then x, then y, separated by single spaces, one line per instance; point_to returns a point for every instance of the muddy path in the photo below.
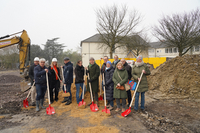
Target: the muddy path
pixel 162 115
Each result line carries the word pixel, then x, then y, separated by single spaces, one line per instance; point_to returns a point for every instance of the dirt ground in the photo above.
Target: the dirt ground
pixel 162 115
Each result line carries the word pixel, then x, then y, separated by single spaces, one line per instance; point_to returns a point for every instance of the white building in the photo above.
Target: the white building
pixel 160 49
pixel 91 47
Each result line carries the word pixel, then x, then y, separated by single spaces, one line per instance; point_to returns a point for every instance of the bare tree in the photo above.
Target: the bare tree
pixel 179 30
pixel 136 43
pixel 114 24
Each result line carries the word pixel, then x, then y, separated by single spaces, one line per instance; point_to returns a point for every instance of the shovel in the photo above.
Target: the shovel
pixel 105 110
pixel 93 107
pixel 82 103
pixel 25 102
pixel 100 98
pixel 57 74
pixel 64 94
pixel 50 110
pixel 128 111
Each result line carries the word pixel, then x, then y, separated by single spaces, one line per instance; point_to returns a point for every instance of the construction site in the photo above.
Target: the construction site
pixel 172 105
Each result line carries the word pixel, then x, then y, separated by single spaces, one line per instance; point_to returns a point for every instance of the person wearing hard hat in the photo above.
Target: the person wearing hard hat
pixel 31 76
pixel 54 80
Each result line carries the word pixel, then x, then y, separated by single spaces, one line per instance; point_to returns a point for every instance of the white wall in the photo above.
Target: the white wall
pixel 94 50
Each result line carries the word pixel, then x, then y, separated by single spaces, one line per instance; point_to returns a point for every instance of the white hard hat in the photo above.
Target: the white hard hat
pixel 54 60
pixel 36 59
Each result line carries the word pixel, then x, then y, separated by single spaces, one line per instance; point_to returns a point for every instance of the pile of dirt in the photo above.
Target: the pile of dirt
pixel 38 130
pixel 10 79
pixel 179 76
pixel 97 129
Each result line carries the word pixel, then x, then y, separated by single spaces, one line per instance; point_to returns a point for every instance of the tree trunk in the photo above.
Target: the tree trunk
pixel 111 53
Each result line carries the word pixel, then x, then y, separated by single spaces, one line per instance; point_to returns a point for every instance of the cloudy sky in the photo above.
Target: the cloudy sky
pixel 75 20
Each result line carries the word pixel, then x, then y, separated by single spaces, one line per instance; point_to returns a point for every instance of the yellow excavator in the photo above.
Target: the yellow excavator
pixel 23 42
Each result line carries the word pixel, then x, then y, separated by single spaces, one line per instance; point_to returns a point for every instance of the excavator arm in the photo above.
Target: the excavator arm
pixel 23 45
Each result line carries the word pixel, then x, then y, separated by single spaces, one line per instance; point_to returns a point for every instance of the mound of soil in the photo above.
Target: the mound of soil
pixel 179 76
pixel 10 79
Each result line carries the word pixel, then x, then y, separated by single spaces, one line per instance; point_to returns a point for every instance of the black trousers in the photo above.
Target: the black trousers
pixel 129 96
pixel 54 85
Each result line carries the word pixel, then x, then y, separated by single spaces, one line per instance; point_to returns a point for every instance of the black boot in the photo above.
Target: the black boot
pixel 68 102
pixel 41 103
pixel 65 99
pixel 89 104
pixel 33 104
pixel 37 105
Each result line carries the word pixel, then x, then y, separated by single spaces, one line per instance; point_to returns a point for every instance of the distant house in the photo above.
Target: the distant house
pixel 160 49
pixel 91 48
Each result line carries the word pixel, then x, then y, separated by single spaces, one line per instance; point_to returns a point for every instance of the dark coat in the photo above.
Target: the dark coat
pixel 68 73
pixel 94 72
pixel 114 64
pixel 136 72
pixel 109 84
pixel 52 78
pixel 103 68
pixel 116 79
pixel 31 73
pixel 40 75
pixel 79 72
pixel 128 69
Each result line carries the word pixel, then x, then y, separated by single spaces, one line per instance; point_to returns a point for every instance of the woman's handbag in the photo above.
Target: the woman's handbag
pixel 120 87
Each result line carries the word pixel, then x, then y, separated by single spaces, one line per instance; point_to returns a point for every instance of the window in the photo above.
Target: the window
pixel 151 50
pixel 170 50
pixel 196 48
pixel 166 50
pixel 157 51
pixel 175 50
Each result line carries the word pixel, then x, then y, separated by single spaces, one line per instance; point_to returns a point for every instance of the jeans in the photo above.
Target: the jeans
pixel 78 85
pixel 68 87
pixel 111 103
pixel 41 90
pixel 129 96
pixel 137 100
pixel 123 102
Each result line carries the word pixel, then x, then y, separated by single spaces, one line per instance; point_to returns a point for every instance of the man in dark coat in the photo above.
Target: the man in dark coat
pixel 31 76
pixel 129 70
pixel 116 60
pixel 109 84
pixel 68 75
pixel 94 72
pixel 41 82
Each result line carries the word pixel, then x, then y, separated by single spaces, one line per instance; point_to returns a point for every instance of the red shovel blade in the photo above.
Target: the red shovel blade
pixel 100 98
pixel 25 103
pixel 50 110
pixel 125 113
pixel 106 110
pixel 94 107
pixel 81 103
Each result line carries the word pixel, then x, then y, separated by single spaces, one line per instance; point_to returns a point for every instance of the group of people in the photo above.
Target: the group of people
pixel 114 76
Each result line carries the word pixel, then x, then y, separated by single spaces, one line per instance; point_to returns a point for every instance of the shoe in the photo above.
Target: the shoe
pixel 134 111
pixel 68 102
pixel 110 108
pixel 143 111
pixel 117 110
pixel 123 109
pixel 41 103
pixel 33 104
pixel 89 104
pixel 56 100
pixel 37 105
pixel 65 99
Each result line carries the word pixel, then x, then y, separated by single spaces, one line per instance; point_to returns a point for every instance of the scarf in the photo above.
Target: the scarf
pixel 139 63
pixel 91 64
pixel 56 71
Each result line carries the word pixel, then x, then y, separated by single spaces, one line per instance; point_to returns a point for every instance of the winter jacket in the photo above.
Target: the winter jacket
pixel 79 72
pixel 128 69
pixel 40 75
pixel 68 73
pixel 52 78
pixel 109 84
pixel 136 72
pixel 114 64
pixel 116 79
pixel 94 72
pixel 31 73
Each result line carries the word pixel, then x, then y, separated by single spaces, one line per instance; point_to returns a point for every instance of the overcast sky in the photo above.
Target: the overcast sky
pixel 75 20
